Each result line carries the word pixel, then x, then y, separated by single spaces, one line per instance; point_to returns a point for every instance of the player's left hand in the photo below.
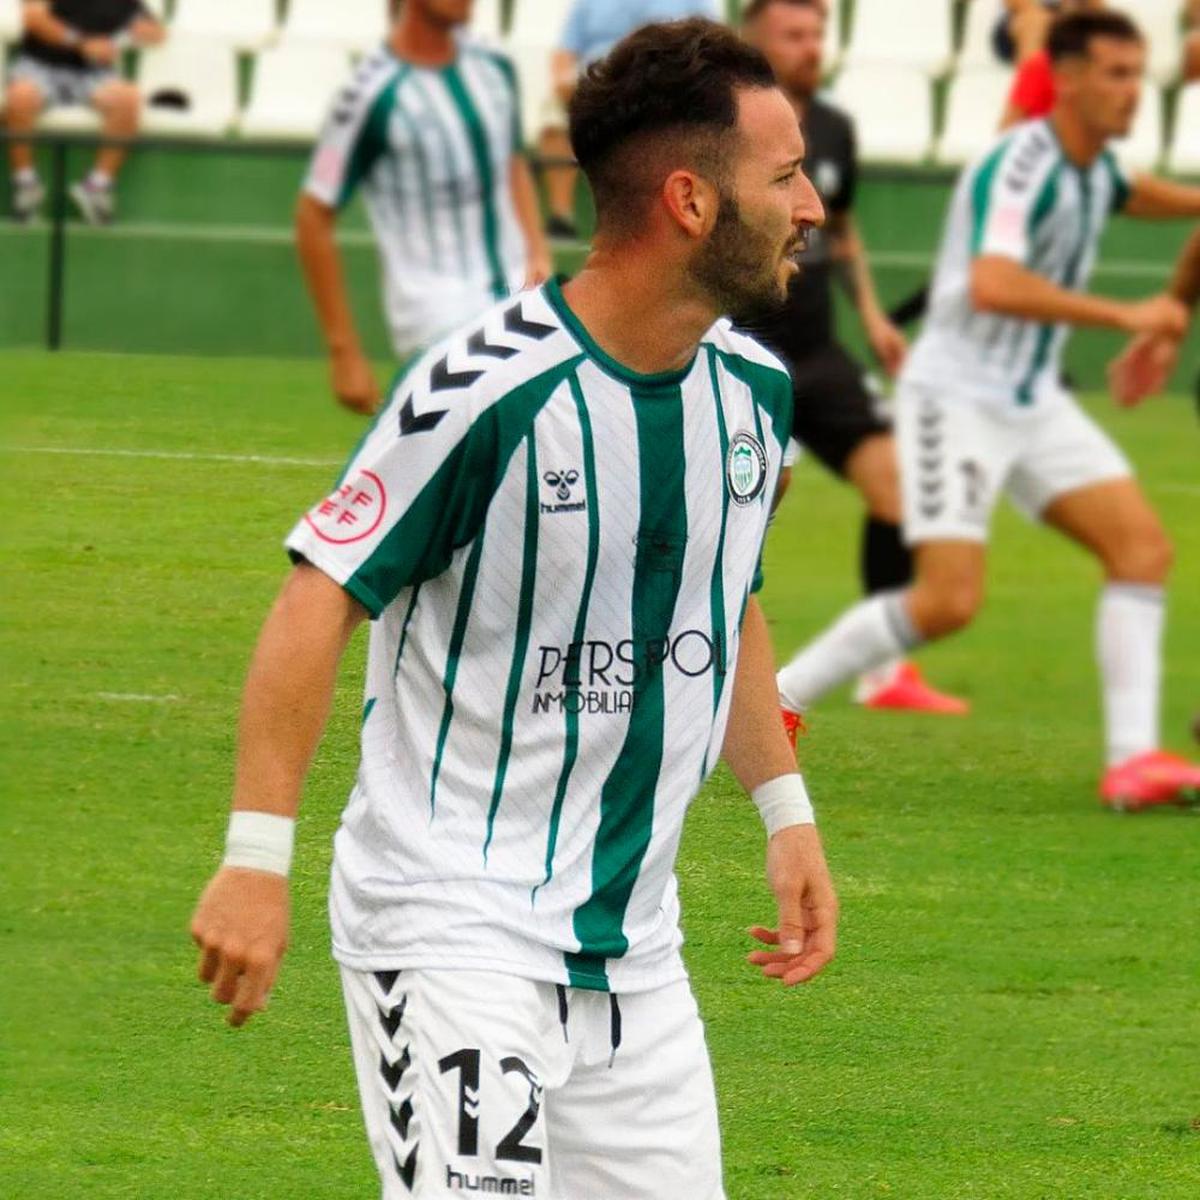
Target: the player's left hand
pixel 806 936
pixel 1142 369
pixel 538 268
pixel 889 345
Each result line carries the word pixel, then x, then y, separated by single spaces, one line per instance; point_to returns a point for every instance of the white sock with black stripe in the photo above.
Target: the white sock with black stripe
pixel 1129 627
pixel 872 632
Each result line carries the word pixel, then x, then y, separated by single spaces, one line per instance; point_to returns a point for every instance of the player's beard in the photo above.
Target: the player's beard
pixel 739 266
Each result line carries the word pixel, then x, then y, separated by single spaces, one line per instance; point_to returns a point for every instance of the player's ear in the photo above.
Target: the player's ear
pixel 691 201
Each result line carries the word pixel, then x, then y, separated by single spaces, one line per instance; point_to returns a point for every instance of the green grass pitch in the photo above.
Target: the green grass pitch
pixel 1014 1009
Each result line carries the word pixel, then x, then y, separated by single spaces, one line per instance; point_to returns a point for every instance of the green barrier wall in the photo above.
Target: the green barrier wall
pixel 201 262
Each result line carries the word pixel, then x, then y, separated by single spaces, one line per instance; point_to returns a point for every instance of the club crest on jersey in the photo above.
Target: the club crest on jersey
pixel 352 513
pixel 746 468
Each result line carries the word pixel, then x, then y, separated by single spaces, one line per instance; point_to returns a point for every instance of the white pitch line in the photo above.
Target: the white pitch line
pixel 1180 489
pixel 264 460
pixel 137 698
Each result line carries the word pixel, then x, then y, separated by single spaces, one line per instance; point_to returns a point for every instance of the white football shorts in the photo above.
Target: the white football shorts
pixel 957 457
pixel 476 1082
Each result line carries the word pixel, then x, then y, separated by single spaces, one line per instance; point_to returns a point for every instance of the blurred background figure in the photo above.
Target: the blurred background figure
pixel 429 127
pixel 593 27
pixel 836 411
pixel 69 54
pixel 1191 43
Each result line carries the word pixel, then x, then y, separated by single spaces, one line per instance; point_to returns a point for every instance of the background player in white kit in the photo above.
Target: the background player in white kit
pixel 980 409
pixel 430 128
pixel 556 525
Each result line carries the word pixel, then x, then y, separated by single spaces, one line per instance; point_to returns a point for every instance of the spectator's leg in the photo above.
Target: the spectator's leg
pixel 22 104
pixel 560 182
pixel 119 105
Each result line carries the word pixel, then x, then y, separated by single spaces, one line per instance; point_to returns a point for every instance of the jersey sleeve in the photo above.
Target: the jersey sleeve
pixel 1011 192
pixel 778 400
pixel 843 200
pixel 1122 189
pixel 509 71
pixel 353 138
pixel 416 490
pixel 573 37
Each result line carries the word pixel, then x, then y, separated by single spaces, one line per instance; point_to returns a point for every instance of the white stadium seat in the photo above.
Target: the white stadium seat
pixel 486 19
pixel 981 19
pixel 538 22
pixel 359 25
pixel 10 20
pixel 915 33
pixel 205 72
pixel 892 108
pixel 1159 21
pixel 243 24
pixel 974 105
pixel 1185 147
pixel 293 86
pixel 533 70
pixel 1142 150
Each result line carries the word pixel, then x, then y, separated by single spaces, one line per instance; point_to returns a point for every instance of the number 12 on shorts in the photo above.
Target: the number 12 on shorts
pixel 511 1147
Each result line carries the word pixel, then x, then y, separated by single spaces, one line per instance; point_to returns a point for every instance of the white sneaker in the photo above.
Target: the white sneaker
pixel 28 196
pixel 96 204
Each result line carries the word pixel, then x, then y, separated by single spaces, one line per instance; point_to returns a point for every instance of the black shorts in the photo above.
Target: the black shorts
pixel 834 409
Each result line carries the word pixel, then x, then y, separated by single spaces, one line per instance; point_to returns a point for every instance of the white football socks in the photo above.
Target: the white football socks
pixel 1129 626
pixel 873 631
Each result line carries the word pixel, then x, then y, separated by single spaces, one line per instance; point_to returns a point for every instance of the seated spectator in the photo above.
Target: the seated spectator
pixel 593 27
pixel 69 55
pixel 1032 93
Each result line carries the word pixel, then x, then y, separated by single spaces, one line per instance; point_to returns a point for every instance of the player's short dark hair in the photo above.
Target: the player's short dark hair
pixel 1071 36
pixel 756 8
pixel 666 94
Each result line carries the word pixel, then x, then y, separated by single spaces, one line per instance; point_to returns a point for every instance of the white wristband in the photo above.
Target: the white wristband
pixel 260 841
pixel 782 802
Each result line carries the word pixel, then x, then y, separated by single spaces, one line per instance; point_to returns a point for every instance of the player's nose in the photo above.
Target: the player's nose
pixel 808 209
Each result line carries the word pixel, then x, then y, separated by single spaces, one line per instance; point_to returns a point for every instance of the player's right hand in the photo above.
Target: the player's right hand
pixel 1160 316
pixel 354 382
pixel 241 927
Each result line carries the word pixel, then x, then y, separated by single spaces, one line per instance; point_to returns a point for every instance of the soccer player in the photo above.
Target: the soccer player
pixel 835 413
pixel 556 527
pixel 69 55
pixel 980 409
pixel 430 128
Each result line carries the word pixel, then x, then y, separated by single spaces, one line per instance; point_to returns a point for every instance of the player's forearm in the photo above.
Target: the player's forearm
pixel 756 747
pixel 1185 283
pixel 322 266
pixel 1002 286
pixel 289 690
pixel 43 25
pixel 855 269
pixel 525 201
pixel 1154 199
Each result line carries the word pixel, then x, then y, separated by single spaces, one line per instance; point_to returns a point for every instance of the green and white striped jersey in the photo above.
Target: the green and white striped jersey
pixel 1026 201
pixel 431 150
pixel 558 553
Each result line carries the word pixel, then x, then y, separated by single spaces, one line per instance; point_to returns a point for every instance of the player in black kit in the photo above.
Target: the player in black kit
pixel 837 415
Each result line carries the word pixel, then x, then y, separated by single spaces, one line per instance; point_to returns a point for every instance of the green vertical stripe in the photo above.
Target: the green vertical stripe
pixel 521 637
pixel 427 206
pixel 465 598
pixel 571 739
pixel 408 616
pixel 372 141
pixel 477 136
pixel 981 190
pixel 454 202
pixel 717 588
pixel 627 797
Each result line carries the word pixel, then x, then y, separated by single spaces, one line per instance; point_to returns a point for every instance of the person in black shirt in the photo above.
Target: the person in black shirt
pixel 69 55
pixel 836 413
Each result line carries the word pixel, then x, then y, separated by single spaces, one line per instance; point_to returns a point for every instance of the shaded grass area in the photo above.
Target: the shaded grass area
pixel 1013 1012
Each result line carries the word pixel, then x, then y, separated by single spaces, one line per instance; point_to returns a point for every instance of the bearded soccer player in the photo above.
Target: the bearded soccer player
pixel 555 527
pixel 836 414
pixel 430 128
pixel 980 409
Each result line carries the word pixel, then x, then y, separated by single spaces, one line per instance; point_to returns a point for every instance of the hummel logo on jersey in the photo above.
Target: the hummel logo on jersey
pixel 494 1185
pixel 562 482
